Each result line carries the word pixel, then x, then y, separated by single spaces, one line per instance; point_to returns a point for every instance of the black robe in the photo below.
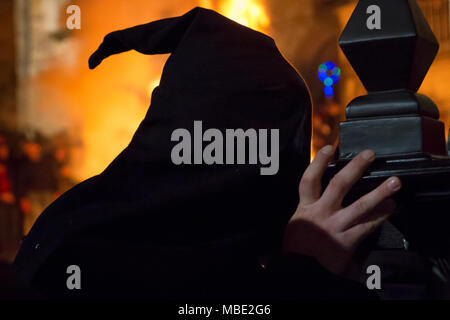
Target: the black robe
pixel 147 228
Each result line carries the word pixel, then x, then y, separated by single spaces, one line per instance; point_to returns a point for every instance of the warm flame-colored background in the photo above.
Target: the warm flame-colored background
pixel 106 105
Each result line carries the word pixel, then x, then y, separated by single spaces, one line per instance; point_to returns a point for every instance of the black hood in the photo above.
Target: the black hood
pixel 220 73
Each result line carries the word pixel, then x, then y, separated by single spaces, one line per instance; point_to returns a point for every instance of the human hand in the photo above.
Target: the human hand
pixel 322 228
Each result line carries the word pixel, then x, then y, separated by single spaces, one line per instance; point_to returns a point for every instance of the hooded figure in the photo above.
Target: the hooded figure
pixel 147 227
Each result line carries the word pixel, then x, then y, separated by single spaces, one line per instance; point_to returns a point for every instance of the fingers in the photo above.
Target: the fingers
pixel 311 185
pixel 359 232
pixel 346 178
pixel 357 211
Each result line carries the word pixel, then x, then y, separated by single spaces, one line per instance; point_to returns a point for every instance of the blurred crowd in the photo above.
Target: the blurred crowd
pixel 34 170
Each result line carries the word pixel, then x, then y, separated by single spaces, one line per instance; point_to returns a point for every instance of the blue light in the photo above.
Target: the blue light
pixel 329 92
pixel 322 76
pixel 334 78
pixel 322 68
pixel 328 82
pixel 329 73
pixel 336 71
pixel 330 65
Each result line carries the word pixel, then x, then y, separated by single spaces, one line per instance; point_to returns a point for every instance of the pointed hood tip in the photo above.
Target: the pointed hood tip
pixel 92 63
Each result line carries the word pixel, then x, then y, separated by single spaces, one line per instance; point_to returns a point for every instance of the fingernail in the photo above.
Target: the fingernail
pixel 328 150
pixel 368 155
pixel 394 184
